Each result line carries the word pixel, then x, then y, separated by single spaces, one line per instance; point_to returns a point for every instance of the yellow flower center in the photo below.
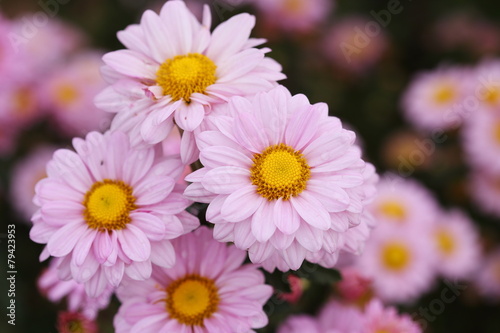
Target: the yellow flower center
pixel 294 6
pixel 395 256
pixel 182 76
pixel 492 95
pixel 445 242
pixel 108 204
pixel 192 299
pixel 393 210
pixel 445 94
pixel 66 94
pixel 76 326
pixel 279 172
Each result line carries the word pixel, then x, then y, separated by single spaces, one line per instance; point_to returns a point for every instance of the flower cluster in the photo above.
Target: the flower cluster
pixel 281 179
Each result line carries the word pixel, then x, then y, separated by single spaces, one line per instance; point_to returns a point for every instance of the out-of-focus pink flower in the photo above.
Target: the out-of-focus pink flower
pixel 485 190
pixel 487 278
pixel 400 262
pixel 25 174
pixel 403 202
pixel 71 322
pixel 481 141
pixel 354 287
pixel 296 289
pixel 349 47
pixel 77 299
pixel 295 15
pixel 284 180
pixel 300 324
pixel 456 243
pixel 379 319
pixel 20 104
pixel 435 99
pixel 68 95
pixel 209 290
pixel 109 210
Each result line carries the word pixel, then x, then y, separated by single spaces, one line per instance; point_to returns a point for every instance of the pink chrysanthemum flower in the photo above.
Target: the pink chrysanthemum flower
pixel 485 87
pixel 25 175
pixel 300 324
pixel 72 322
pixel 295 15
pixel 456 243
pixel 175 69
pixel 485 190
pixel 403 202
pixel 400 262
pixel 348 47
pixel 77 299
pixel 336 317
pixel 379 319
pixel 20 102
pixel 68 95
pixel 481 141
pixel 109 210
pixel 207 291
pixel 283 180
pixel 487 279
pixel 435 99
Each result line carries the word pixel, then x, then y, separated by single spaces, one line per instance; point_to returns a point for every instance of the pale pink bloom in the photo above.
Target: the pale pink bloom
pixel 300 324
pixel 109 210
pixel 348 46
pixel 435 99
pixel 68 94
pixel 295 15
pixel 485 190
pixel 487 278
pixel 400 262
pixel 77 300
pixel 336 317
pixel 283 180
pixel 209 290
pixel 20 103
pixel 354 286
pixel 175 69
pixel 481 141
pixel 25 174
pixel 379 319
pixel 456 244
pixel 67 321
pixel 403 202
pixel 45 46
pixel 13 61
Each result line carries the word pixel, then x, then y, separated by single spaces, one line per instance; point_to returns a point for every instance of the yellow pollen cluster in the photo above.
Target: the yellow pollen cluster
pixel 279 172
pixel 108 204
pixel 492 95
pixel 192 299
pixel 393 209
pixel 395 256
pixel 66 94
pixel 445 94
pixel 182 76
pixel 445 242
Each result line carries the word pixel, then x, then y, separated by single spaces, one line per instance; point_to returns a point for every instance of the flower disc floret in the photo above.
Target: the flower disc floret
pixel 108 204
pixel 279 172
pixel 192 299
pixel 184 75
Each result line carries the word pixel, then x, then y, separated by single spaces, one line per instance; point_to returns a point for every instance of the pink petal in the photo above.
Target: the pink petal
pixel 139 270
pixel 153 190
pixel 263 226
pixel 134 243
pixel 137 164
pixel 214 157
pixel 241 204
pixel 333 198
pixel 310 209
pixel 310 238
pixel 156 35
pixel 163 254
pixel 152 226
pixel 68 166
pixel 133 38
pixel 189 150
pixel 96 285
pixel 106 248
pixel 249 133
pixel 131 63
pixel 83 246
pixel 226 179
pixel 243 236
pixel 189 117
pixel 64 240
pixel 114 273
pixel 286 219
pixel 302 127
